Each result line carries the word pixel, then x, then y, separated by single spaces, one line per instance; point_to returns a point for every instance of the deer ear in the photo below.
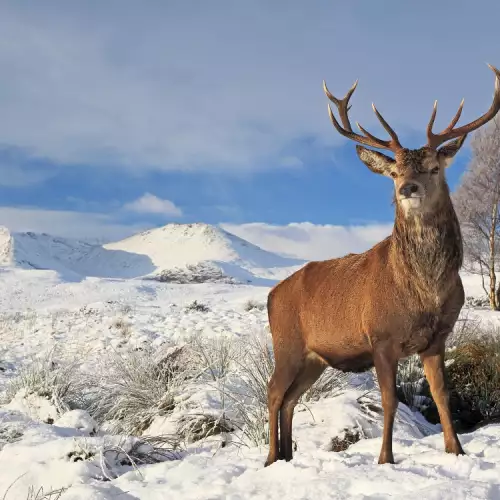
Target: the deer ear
pixel 375 161
pixel 447 152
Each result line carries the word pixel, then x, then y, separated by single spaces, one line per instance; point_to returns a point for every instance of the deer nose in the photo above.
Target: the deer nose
pixel 408 189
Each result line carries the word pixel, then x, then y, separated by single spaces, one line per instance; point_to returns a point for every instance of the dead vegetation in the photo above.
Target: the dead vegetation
pixel 344 441
pixel 197 306
pixel 474 378
pixel 131 389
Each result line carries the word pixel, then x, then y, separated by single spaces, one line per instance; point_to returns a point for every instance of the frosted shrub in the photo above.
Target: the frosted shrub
pixel 122 326
pixel 196 426
pixel 331 383
pixel 40 494
pixel 59 383
pixel 135 387
pixel 197 306
pixel 248 401
pixel 477 302
pixel 466 328
pixel 411 385
pixel 117 455
pixel 9 433
pixel 252 305
pixel 214 355
pixel 35 493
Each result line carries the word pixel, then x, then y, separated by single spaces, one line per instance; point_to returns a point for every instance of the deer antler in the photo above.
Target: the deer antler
pixel 435 140
pixel 346 129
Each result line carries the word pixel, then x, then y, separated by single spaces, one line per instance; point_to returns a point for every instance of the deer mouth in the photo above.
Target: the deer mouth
pixel 411 202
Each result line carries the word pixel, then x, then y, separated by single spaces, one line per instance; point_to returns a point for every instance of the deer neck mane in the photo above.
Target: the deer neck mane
pixel 427 249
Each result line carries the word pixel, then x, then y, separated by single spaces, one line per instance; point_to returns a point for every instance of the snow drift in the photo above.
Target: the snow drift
pixel 177 253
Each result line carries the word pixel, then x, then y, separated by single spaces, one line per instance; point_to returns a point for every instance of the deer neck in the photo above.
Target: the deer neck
pixel 427 250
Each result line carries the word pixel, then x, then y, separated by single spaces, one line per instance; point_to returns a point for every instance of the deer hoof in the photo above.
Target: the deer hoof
pixel 455 449
pixel 386 459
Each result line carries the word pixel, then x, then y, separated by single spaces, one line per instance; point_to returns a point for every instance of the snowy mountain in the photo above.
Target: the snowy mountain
pixel 70 258
pixel 180 253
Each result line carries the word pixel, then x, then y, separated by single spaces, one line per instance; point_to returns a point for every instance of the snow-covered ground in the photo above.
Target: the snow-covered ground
pixel 45 456
pixel 80 316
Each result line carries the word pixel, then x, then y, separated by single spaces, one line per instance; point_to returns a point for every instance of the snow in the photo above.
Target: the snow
pixel 422 469
pixel 81 301
pixel 46 457
pixel 176 252
pixel 34 406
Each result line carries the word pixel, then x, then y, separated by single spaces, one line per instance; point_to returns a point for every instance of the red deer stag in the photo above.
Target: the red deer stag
pixel 401 297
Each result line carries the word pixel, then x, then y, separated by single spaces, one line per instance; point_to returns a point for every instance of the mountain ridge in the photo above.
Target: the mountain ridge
pixel 179 253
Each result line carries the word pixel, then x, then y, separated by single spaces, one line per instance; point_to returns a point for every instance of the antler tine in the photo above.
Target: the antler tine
pixel 346 130
pixel 382 144
pixel 455 119
pixel 390 131
pixel 453 122
pixel 435 140
pixel 342 104
pixel 369 141
pixel 432 120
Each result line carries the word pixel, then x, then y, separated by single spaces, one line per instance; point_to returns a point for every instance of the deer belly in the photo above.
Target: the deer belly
pixel 356 363
pixel 347 357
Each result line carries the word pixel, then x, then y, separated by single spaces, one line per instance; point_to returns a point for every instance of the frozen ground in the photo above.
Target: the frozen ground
pixel 45 456
pixel 39 312
pixel 80 319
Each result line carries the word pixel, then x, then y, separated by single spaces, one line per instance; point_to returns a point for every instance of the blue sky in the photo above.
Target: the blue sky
pixel 120 115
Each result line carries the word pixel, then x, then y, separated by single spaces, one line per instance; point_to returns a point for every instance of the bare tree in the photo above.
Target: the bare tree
pixel 477 202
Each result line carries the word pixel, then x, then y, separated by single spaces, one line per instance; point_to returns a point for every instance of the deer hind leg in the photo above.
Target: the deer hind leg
pixel 433 361
pixel 386 367
pixel 311 370
pixel 281 380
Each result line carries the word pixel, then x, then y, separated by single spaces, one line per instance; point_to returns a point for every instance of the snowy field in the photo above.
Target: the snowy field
pixel 83 322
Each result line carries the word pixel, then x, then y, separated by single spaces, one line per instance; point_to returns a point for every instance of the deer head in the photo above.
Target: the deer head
pixel 418 174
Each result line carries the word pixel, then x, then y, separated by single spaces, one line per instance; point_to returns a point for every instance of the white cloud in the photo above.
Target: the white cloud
pixel 150 204
pixel 80 225
pixel 309 241
pixel 226 85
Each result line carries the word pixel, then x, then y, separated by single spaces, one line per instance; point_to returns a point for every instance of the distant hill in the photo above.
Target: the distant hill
pixel 179 253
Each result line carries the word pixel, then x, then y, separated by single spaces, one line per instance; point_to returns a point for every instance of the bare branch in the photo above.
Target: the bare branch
pixel 477 203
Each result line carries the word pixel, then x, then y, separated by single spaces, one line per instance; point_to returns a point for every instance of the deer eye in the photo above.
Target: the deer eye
pixel 435 170
pixel 393 174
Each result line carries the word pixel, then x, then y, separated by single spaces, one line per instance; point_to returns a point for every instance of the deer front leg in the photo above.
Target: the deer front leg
pixel 433 361
pixel 386 366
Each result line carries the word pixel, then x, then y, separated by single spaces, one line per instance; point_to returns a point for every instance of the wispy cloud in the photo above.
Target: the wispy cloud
pixel 79 225
pixel 150 204
pixel 311 241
